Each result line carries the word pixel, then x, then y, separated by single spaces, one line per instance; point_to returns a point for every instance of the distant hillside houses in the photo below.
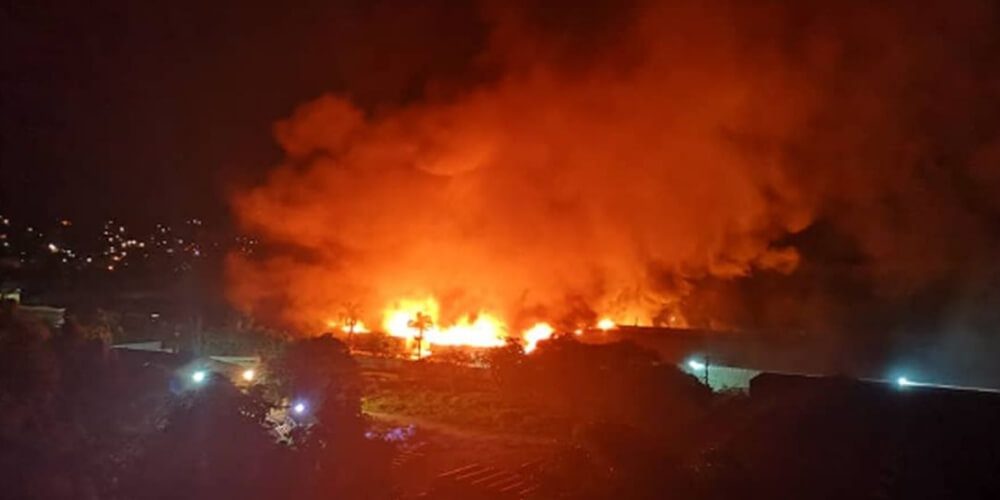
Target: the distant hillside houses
pixel 54 317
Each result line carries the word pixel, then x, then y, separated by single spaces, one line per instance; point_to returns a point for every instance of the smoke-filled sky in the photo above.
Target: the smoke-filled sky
pixel 817 165
pixel 618 157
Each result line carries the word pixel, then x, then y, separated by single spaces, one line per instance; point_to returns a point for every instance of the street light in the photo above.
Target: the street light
pixel 696 365
pixel 299 408
pixel 249 374
pixel 198 376
pixel 904 382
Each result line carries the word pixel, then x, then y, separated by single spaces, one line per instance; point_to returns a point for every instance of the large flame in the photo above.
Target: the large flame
pixel 478 330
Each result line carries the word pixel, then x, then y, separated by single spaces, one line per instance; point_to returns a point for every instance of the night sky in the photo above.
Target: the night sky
pixel 156 110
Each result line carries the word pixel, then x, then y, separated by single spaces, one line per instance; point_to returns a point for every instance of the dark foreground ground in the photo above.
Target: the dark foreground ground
pixel 570 420
pixel 790 437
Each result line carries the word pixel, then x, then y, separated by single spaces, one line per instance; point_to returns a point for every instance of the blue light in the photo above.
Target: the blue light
pixel 198 376
pixel 904 382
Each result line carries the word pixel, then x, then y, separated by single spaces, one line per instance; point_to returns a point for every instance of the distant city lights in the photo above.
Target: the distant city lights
pixel 166 248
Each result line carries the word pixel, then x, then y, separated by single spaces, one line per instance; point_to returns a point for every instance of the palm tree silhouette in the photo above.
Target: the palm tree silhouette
pixel 351 312
pixel 421 322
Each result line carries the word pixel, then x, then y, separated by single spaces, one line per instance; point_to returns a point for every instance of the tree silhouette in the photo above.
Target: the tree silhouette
pixel 421 322
pixel 351 313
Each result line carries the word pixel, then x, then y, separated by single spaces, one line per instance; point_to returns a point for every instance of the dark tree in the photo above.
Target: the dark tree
pixel 333 452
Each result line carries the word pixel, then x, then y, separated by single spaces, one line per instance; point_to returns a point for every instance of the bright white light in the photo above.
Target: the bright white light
pixel 299 408
pixel 53 248
pixel 198 376
pixel 248 374
pixel 903 382
pixel 696 365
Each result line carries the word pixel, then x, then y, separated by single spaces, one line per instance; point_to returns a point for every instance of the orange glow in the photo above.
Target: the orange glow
pixel 627 186
pixel 359 327
pixel 396 319
pixel 484 331
pixel 606 324
pixel 481 330
pixel 533 335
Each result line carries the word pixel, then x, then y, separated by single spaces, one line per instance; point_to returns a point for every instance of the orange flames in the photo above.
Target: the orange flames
pixel 479 330
pixel 533 335
pixel 605 324
pixel 343 326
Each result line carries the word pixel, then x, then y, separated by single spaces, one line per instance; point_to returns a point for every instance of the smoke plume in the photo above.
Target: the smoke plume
pixel 611 160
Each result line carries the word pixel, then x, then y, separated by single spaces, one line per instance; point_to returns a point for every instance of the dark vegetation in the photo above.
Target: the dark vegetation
pixel 622 424
pixel 78 420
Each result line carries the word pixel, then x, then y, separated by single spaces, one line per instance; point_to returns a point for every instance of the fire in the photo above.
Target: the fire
pixel 359 327
pixel 533 335
pixel 404 318
pixel 484 331
pixel 397 317
pixel 606 324
pixel 479 330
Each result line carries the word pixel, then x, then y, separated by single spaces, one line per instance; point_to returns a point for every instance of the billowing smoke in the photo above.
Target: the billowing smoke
pixel 610 163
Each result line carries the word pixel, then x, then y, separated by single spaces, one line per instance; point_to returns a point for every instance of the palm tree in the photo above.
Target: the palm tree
pixel 421 322
pixel 352 310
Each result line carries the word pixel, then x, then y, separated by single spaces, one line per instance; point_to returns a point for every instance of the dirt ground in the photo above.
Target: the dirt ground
pixel 447 419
